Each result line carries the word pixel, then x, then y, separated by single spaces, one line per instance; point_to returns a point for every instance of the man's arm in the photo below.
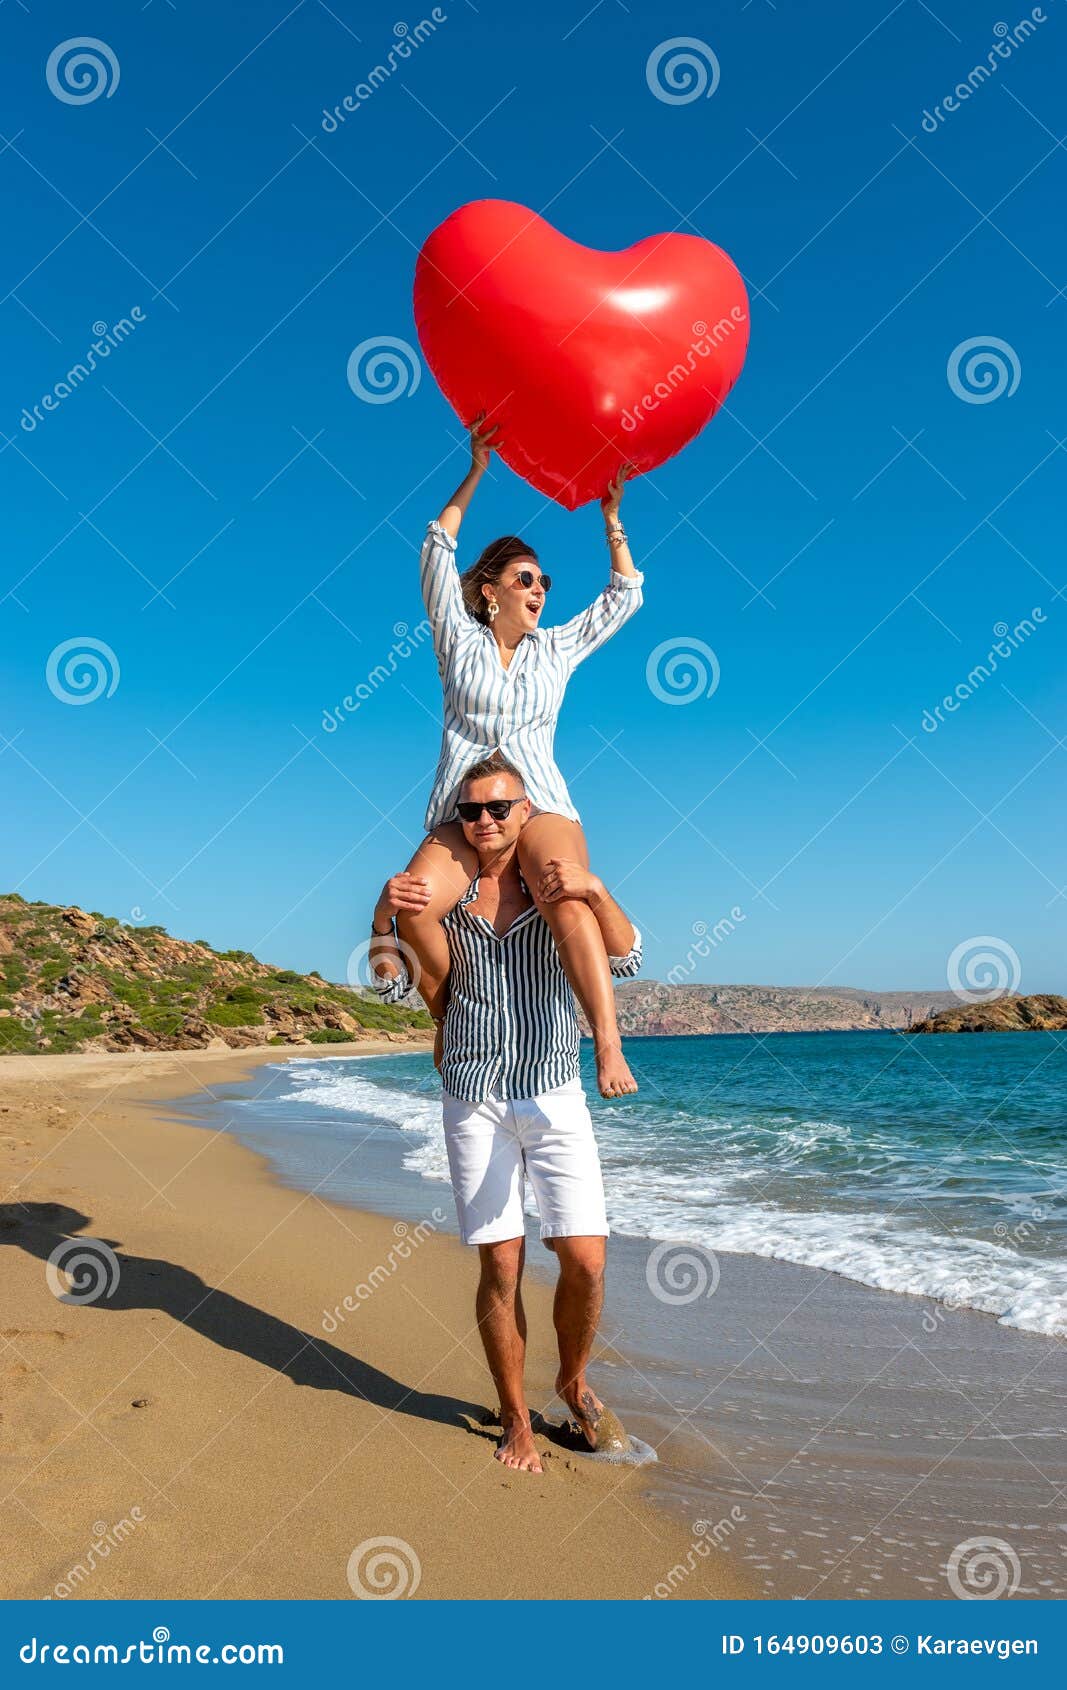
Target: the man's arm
pixel 389 971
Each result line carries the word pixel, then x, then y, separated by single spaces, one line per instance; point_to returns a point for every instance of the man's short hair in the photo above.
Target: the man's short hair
pixel 497 764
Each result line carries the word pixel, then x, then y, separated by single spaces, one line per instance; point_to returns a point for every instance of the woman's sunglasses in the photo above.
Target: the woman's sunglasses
pixel 499 808
pixel 526 578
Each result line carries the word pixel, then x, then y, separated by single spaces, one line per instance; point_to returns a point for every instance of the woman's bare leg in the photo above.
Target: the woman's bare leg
pixel 580 944
pixel 449 864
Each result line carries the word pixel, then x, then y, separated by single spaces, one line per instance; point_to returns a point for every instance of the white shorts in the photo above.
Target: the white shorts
pixel 494 1146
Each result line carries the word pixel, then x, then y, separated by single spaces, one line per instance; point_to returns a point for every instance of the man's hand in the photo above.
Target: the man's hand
pixel 563 879
pixel 402 892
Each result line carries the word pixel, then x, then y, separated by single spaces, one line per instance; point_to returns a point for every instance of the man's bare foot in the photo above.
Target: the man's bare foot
pixel 585 1406
pixel 613 1076
pixel 517 1447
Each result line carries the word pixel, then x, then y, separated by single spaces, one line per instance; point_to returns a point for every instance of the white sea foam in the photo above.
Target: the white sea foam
pixel 715 1207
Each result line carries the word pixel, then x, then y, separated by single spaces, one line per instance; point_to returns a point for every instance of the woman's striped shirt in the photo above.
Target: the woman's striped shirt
pixel 514 710
pixel 510 1028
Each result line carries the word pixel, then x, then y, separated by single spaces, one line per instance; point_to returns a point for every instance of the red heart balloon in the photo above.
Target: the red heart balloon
pixel 586 359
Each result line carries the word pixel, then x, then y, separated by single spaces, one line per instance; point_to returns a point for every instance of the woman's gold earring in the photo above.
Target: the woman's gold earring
pixel 494 610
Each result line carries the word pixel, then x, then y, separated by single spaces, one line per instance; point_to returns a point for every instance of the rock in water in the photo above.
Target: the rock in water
pixel 612 1438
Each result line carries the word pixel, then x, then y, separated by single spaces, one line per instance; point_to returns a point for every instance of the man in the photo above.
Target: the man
pixel 513 1100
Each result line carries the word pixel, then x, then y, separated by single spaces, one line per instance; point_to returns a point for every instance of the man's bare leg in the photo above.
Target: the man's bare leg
pixel 502 1324
pixel 576 1312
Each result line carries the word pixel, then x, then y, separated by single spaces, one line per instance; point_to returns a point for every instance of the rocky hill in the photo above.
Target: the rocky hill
pixel 650 1006
pixel 74 980
pixel 1043 1012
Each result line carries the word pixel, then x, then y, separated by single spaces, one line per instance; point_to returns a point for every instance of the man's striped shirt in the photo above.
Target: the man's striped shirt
pixel 510 1028
pixel 514 710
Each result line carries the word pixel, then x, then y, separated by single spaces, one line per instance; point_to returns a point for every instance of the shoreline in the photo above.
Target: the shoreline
pixel 197 1434
pixel 843 1439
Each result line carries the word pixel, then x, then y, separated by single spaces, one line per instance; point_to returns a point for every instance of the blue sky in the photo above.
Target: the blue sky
pixel 217 507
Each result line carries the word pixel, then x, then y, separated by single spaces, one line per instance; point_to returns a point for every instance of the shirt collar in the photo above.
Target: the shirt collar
pixel 472 892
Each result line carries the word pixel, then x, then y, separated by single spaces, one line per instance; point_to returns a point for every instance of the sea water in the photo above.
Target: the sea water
pixel 934 1165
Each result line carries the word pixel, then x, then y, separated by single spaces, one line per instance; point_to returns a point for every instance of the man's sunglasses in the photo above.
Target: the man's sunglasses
pixel 499 808
pixel 526 578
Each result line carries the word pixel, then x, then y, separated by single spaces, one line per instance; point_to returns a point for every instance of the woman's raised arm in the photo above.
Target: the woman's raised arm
pixel 482 444
pixel 587 631
pixel 438 576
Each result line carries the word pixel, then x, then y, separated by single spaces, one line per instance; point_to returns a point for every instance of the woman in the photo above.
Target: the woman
pixel 504 678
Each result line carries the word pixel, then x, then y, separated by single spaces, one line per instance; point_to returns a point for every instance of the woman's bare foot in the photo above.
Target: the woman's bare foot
pixel 613 1076
pixel 585 1406
pixel 517 1447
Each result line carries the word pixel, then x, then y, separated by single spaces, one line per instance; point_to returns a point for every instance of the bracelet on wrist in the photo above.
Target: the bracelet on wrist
pixel 390 930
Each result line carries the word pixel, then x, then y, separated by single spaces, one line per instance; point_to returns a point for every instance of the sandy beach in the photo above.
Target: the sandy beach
pixel 200 1432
